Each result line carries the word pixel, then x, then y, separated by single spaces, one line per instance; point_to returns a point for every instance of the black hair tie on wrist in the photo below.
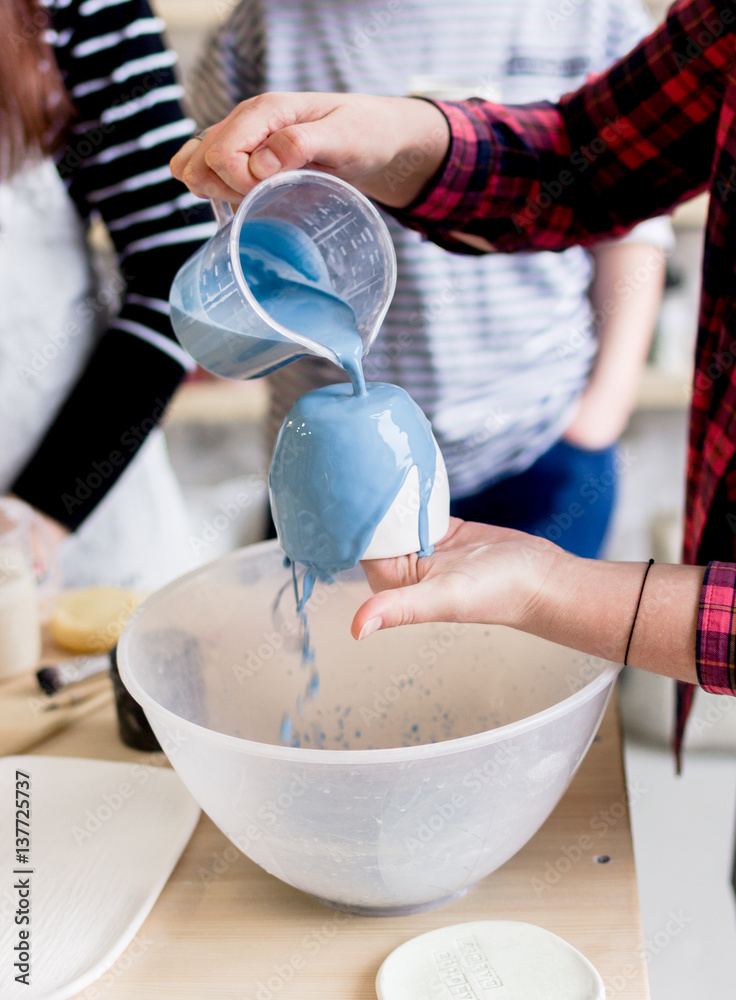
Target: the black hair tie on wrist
pixel 636 612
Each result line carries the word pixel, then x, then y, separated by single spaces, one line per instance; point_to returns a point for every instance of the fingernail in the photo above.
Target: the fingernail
pixel 263 163
pixel 371 626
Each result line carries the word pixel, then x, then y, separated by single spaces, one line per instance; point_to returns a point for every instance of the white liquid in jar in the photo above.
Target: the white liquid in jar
pixel 20 627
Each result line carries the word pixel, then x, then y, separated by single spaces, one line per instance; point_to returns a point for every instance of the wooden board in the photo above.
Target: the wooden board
pixel 224 928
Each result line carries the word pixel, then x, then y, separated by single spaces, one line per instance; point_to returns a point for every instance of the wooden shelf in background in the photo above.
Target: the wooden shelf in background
pixel 247 402
pixel 192 13
pixel 664 390
pixel 221 402
pixel 692 214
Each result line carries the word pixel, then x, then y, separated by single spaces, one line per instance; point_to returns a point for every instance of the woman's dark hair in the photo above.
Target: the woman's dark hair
pixel 35 108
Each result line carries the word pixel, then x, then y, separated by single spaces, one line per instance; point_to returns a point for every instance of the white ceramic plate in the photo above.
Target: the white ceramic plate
pixel 104 838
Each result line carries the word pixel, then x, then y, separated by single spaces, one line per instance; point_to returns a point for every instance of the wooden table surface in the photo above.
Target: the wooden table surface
pixel 223 928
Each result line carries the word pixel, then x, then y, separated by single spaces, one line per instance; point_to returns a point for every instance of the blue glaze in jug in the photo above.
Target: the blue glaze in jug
pixel 322 234
pixel 272 258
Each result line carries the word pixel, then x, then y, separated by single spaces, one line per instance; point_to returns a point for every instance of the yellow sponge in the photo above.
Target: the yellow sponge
pixel 90 620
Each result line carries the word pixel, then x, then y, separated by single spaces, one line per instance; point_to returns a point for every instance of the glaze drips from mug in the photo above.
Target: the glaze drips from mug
pixel 344 452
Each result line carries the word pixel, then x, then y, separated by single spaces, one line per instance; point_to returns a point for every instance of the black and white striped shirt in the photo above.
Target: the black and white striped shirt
pixel 120 76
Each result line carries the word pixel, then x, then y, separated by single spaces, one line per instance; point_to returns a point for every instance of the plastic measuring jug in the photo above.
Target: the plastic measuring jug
pixel 337 243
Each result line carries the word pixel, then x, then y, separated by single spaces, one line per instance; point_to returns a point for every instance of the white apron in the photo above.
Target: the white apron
pixel 138 535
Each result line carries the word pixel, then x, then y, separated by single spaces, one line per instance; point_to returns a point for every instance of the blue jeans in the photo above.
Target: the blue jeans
pixel 566 496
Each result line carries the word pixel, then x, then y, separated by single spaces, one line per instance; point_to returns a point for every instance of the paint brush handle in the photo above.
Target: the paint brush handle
pixel 72 699
pixel 53 677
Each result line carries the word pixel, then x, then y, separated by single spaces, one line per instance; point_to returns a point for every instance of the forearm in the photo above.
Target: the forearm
pixel 625 295
pixel 605 157
pixel 590 605
pixel 631 143
pixel 483 573
pixel 389 147
pixel 421 139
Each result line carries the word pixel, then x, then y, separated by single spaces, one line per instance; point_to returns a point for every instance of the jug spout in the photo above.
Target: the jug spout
pixel 305 255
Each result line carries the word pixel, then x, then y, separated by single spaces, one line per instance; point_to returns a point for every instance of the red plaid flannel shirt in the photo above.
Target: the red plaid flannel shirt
pixel 652 131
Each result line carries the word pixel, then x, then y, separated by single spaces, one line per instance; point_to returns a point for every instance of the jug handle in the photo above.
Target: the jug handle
pixel 222 211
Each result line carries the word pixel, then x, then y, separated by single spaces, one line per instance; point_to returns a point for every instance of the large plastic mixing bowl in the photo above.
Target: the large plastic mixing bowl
pixel 429 756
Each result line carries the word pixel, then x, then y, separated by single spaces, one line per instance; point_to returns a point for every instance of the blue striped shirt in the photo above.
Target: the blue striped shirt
pixel 495 349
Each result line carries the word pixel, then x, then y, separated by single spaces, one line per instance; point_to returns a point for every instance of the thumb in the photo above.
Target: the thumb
pixel 321 141
pixel 428 601
pixel 286 149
